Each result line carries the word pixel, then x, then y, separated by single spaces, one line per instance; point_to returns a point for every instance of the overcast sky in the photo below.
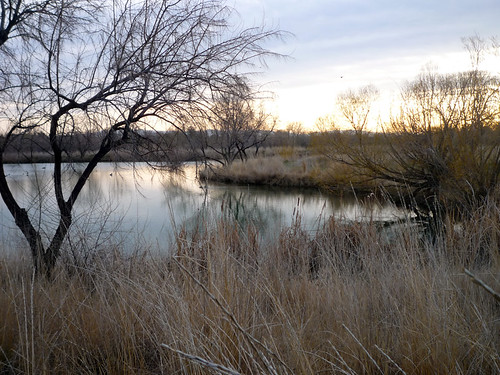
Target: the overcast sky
pixel 344 44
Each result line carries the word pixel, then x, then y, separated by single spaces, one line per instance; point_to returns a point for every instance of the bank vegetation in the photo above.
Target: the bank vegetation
pixel 350 298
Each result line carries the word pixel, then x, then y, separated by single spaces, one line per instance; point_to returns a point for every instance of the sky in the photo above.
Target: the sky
pixel 339 45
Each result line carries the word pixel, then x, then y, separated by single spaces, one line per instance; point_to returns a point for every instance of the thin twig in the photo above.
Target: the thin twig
pixel 482 284
pixel 390 359
pixel 342 360
pixel 364 349
pixel 251 340
pixel 333 365
pixel 214 366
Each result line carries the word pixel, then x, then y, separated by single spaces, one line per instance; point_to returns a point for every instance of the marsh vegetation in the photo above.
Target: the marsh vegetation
pixel 344 300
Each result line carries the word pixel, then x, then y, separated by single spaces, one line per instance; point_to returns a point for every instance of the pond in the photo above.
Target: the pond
pixel 133 201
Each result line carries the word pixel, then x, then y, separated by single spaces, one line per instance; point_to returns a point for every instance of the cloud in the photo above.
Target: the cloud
pixel 339 43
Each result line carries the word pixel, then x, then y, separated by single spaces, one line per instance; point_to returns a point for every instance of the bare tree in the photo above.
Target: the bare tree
pixel 355 106
pixel 123 67
pixel 235 125
pixel 441 150
pixel 16 16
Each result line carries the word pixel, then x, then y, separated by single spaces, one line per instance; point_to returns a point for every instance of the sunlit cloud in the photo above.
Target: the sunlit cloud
pixel 340 45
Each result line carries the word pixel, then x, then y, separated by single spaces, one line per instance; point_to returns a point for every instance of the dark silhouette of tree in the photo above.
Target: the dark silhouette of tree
pixel 234 126
pixel 117 67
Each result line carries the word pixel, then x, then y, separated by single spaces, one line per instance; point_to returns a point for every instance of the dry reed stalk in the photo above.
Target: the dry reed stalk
pixel 251 340
pixel 209 364
pixel 482 284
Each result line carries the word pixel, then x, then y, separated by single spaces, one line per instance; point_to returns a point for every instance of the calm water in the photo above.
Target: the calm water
pixel 136 203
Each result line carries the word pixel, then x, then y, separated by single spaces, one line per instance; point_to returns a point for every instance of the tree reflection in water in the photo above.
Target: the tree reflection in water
pixel 125 201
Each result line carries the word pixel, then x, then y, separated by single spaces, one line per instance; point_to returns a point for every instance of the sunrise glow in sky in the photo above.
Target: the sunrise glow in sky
pixel 345 44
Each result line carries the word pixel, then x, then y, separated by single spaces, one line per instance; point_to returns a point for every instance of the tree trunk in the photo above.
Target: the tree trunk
pixel 54 250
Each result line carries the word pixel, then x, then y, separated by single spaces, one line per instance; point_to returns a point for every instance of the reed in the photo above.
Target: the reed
pixel 347 299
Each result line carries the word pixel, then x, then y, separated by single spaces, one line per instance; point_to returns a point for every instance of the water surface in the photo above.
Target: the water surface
pixel 132 201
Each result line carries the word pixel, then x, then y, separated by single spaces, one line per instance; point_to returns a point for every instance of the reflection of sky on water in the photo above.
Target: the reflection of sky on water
pixel 136 200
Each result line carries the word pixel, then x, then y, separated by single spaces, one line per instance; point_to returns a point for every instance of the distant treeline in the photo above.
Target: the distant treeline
pixel 179 146
pixel 174 146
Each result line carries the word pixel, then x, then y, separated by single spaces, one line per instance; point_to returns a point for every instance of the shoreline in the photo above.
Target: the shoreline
pixel 297 172
pixel 300 171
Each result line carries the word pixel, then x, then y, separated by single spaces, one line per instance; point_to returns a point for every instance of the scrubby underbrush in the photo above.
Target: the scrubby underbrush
pixel 344 300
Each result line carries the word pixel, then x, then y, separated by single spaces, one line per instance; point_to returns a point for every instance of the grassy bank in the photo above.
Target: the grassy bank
pixel 347 299
pixel 295 170
pixel 271 171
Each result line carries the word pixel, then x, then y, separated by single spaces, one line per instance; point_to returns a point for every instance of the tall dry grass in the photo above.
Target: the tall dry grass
pixel 294 170
pixel 270 171
pixel 349 299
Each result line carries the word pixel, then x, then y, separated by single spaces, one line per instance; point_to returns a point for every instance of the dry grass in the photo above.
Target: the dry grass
pixel 339 177
pixel 345 300
pixel 294 170
pixel 270 171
